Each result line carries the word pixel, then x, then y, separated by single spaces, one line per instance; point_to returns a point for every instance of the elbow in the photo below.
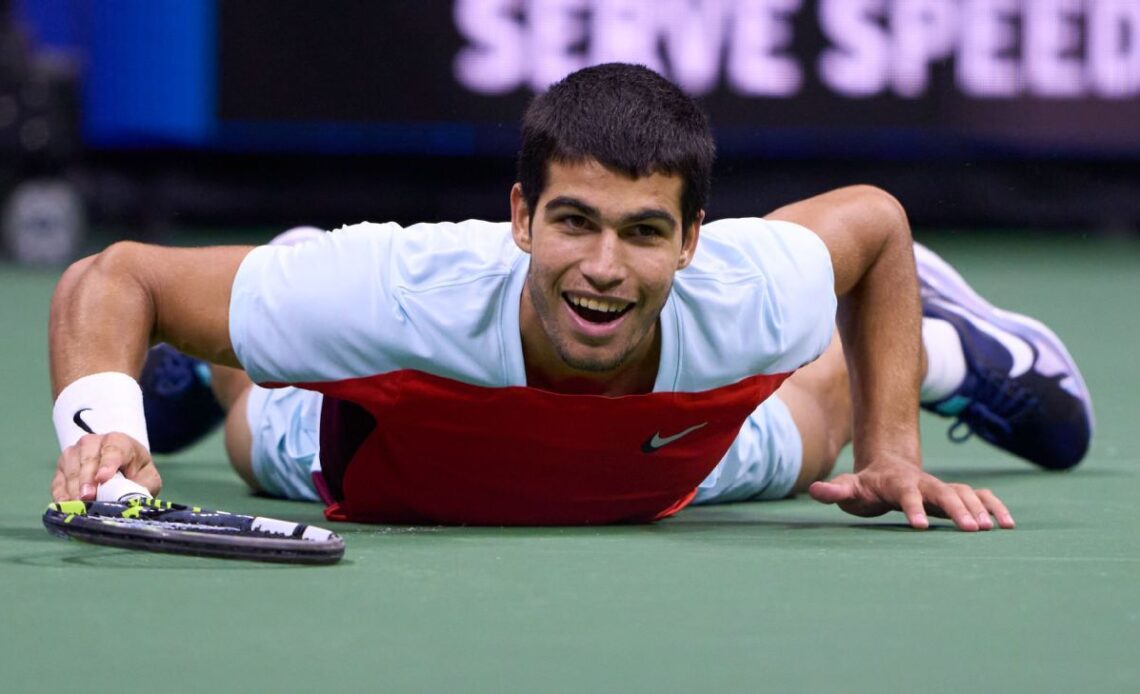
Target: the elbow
pixel 70 278
pixel 882 212
pixel 67 288
pixel 113 263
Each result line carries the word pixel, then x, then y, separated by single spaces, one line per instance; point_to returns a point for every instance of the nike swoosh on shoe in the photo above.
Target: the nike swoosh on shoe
pixel 1022 353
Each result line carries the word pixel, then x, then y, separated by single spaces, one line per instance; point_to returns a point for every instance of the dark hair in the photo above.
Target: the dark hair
pixel 629 119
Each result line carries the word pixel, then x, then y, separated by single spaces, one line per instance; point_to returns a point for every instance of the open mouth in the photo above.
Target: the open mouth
pixel 598 310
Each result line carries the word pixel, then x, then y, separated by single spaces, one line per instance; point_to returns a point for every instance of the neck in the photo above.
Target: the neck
pixel 634 378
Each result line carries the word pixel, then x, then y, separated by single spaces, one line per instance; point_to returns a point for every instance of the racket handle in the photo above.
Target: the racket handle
pixel 121 489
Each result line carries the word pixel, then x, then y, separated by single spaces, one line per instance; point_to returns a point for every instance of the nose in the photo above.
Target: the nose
pixel 604 264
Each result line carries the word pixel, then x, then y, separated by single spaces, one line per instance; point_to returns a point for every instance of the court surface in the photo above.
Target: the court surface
pixel 776 597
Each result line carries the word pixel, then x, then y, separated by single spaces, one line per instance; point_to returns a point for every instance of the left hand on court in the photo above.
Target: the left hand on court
pixel 882 487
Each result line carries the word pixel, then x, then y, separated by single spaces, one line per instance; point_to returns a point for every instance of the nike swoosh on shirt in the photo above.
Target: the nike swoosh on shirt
pixel 79 420
pixel 658 441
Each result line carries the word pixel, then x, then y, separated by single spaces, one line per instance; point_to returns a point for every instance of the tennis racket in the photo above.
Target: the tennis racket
pixel 125 515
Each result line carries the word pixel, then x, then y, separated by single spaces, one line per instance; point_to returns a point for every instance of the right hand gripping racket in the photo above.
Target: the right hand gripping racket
pixel 125 515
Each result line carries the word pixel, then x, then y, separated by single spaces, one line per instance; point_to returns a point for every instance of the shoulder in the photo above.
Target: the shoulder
pixel 354 257
pixel 759 297
pixel 752 245
pixel 372 298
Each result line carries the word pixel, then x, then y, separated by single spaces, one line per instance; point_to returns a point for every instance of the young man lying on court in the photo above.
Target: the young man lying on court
pixel 602 358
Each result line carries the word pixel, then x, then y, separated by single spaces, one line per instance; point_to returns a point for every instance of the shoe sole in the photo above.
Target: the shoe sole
pixel 942 279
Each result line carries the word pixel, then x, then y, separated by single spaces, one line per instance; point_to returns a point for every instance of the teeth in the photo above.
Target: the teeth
pixel 598 305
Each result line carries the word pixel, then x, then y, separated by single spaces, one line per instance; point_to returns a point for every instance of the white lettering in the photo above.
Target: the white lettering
pixel 760 32
pixel 925 31
pixel 1114 48
pixel 986 64
pixel 694 34
pixel 625 31
pixel 492 63
pixel 557 40
pixel 997 49
pixel 1052 48
pixel 858 64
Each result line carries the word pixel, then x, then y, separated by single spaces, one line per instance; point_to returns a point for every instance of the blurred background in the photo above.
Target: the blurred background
pixel 169 120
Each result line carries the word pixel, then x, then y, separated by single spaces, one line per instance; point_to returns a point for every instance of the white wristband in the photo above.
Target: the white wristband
pixel 100 404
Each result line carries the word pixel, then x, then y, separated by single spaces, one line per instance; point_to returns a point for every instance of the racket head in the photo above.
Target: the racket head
pixel 155 525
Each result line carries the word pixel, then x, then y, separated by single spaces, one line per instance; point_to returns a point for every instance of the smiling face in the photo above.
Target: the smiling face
pixel 604 248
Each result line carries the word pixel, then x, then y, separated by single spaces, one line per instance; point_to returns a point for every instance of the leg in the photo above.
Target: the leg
pixel 273 437
pixel 791 440
pixel 1020 389
pixel 179 405
pixel 818 397
pixel 968 372
pixel 274 456
pixel 231 388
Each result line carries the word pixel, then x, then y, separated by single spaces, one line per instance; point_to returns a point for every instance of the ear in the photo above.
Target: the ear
pixel 689 244
pixel 520 219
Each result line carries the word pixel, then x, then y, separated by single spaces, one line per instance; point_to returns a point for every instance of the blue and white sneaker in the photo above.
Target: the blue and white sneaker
pixel 1023 392
pixel 179 405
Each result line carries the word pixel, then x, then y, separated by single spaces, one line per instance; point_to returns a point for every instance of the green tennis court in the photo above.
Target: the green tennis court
pixel 787 596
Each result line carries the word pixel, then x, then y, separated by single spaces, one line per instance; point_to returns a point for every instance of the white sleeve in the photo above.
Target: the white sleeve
pixel 801 301
pixel 364 300
pixel 759 298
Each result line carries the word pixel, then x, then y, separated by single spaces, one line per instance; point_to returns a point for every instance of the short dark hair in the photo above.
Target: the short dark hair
pixel 628 118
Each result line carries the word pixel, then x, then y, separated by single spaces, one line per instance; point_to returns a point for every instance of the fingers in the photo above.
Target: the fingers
pixel 82 486
pixel 911 504
pixel 148 477
pixel 76 468
pixel 94 459
pixel 948 499
pixel 123 453
pixel 972 509
pixel 842 488
pixel 118 452
pixel 59 481
pixel 997 508
pixel 877 489
pixel 974 506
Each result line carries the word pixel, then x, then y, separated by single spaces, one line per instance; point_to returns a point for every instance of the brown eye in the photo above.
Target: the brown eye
pixel 575 221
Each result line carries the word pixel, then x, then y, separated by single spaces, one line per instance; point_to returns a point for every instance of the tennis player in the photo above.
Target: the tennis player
pixel 604 357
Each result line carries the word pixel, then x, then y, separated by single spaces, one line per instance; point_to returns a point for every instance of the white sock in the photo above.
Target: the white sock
pixel 945 362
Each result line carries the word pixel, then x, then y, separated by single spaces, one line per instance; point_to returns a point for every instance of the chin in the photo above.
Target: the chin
pixel 590 362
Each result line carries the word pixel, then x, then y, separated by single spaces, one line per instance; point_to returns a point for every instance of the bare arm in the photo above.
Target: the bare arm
pixel 880 318
pixel 868 237
pixel 107 309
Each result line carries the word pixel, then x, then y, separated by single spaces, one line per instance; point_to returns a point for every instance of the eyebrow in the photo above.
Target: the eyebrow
pixel 645 215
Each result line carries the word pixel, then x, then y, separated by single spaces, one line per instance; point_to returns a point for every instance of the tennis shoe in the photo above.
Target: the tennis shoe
pixel 1023 392
pixel 179 405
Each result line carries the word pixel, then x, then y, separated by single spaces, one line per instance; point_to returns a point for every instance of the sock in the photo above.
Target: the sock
pixel 202 371
pixel 945 362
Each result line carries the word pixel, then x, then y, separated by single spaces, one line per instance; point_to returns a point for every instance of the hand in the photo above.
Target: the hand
pixel 883 487
pixel 95 458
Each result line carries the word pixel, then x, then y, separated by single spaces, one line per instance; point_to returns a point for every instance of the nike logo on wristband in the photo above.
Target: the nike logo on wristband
pixel 79 420
pixel 657 441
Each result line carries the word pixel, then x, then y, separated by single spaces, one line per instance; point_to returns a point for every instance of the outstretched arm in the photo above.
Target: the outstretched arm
pixel 107 309
pixel 868 237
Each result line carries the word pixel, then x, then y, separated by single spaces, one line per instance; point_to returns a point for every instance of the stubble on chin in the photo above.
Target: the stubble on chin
pixel 548 318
